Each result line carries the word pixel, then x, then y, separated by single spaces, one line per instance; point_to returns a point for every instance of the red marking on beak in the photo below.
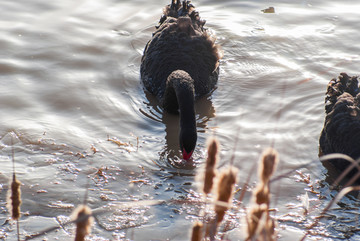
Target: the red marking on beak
pixel 186 155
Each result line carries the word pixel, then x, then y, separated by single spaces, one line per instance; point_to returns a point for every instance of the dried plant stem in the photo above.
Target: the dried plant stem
pixel 246 184
pixel 342 193
pixel 18 229
pixel 347 170
pixel 208 177
pixel 260 224
pixel 14 195
pixel 98 211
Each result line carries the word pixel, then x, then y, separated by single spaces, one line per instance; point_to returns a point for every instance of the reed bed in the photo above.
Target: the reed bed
pixel 217 195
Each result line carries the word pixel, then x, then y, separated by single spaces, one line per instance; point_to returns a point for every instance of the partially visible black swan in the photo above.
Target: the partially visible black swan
pixel 341 132
pixel 180 64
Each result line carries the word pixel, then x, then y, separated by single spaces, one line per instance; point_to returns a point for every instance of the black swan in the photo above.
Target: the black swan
pixel 180 64
pixel 341 132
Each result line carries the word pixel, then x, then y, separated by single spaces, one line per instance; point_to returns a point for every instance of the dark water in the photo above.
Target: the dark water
pixel 70 84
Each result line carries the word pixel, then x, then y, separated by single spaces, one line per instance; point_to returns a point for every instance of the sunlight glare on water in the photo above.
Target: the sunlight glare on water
pixel 72 101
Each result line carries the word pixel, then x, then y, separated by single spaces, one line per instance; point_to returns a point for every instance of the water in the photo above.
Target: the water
pixel 71 93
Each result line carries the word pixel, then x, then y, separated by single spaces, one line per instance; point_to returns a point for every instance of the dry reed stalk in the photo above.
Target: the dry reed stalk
pixel 13 199
pixel 210 171
pixel 337 198
pixel 225 189
pixel 254 217
pixel 353 164
pixel 197 231
pixel 84 221
pixel 94 213
pixel 260 225
pixel 14 194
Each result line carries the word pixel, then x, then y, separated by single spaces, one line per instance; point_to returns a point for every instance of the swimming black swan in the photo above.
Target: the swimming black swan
pixel 341 132
pixel 180 64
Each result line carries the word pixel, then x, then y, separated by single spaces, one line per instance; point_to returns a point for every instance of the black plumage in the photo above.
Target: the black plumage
pixel 180 64
pixel 341 132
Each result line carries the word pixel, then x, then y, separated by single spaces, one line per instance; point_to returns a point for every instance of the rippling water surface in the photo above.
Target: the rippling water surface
pixel 71 99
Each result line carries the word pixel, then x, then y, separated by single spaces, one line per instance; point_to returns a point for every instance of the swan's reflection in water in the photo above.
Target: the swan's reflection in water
pixel 170 154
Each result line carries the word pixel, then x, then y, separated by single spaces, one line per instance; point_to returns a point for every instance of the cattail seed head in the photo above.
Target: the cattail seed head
pixel 197 231
pixel 210 171
pixel 209 179
pixel 213 148
pixel 268 163
pixel 225 187
pixel 84 221
pixel 260 224
pixel 14 199
pixel 261 194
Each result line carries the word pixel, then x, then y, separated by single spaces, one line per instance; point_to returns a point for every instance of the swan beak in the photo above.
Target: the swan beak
pixel 186 155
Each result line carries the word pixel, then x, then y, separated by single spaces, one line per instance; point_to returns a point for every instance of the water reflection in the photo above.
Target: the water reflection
pixel 170 154
pixel 333 174
pixel 103 80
